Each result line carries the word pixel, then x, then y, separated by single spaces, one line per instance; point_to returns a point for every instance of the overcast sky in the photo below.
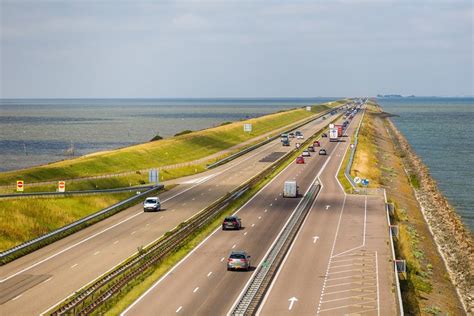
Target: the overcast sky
pixel 235 48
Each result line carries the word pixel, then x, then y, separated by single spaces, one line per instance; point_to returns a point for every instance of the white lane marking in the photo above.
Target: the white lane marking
pixel 133 233
pixel 315 238
pixel 161 217
pixel 222 259
pixel 209 274
pixel 345 271
pixel 265 211
pixel 377 274
pixel 47 280
pixel 276 199
pixel 354 289
pixel 271 204
pixel 260 217
pixel 349 298
pixel 116 242
pixel 234 246
pixel 360 276
pixel 292 301
pixel 147 224
pixel 96 253
pixel 193 199
pixel 245 233
pixel 198 246
pixel 74 265
pixel 253 225
pixel 345 306
pixel 328 206
pixel 179 308
pixel 196 289
pixel 17 297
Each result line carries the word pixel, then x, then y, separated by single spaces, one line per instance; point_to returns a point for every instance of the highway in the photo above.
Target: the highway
pixel 38 281
pixel 201 285
pixel 339 262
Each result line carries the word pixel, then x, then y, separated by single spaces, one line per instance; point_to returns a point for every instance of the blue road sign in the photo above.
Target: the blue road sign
pixel 365 182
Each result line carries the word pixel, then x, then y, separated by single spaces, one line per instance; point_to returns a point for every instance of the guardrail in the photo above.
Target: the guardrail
pixel 36 243
pixel 347 172
pixel 246 150
pixel 67 193
pixel 258 285
pixel 92 296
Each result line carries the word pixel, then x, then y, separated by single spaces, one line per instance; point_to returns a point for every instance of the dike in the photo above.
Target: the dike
pixel 454 240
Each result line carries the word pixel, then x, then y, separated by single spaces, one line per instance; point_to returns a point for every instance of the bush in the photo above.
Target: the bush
pixel 187 131
pixel 157 137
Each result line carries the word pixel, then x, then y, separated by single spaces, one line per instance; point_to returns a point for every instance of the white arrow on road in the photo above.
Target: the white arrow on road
pixel 315 238
pixel 328 206
pixel 292 301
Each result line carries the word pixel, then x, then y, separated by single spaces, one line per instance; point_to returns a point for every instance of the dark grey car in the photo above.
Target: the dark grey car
pixel 232 222
pixel 238 260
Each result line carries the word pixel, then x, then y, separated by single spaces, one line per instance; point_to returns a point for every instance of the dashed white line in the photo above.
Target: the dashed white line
pixel 222 259
pixel 209 274
pixel 179 308
pixel 47 280
pixel 161 216
pixel 196 289
pixel 133 233
pixel 265 211
pixel 234 246
pixel 260 217
pixel 245 233
pixel 96 253
pixel 116 242
pixel 253 225
pixel 17 297
pixel 73 266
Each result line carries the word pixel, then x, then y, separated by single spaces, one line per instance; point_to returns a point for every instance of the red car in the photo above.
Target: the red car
pixel 316 144
pixel 299 160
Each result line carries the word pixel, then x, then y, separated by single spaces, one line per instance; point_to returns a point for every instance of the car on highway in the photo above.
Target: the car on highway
pixel 291 135
pixel 311 148
pixel 324 135
pixel 299 160
pixel 285 142
pixel 316 143
pixel 232 222
pixel 305 153
pixel 299 135
pixel 238 260
pixel 322 152
pixel 151 204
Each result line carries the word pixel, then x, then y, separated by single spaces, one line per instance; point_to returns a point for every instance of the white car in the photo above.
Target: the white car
pixel 299 135
pixel 306 153
pixel 152 204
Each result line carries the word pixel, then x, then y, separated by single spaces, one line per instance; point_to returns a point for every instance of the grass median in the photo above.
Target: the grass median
pixel 28 218
pixel 179 149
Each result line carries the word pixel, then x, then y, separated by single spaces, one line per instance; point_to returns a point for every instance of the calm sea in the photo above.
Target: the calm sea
pixel 440 130
pixel 38 131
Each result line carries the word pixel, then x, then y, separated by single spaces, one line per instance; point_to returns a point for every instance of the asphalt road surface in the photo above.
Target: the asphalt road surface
pixel 35 283
pixel 201 285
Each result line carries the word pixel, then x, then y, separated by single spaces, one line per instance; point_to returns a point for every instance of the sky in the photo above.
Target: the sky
pixel 185 49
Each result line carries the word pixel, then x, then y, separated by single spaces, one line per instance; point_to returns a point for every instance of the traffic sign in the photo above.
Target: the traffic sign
pixel 247 127
pixel 61 186
pixel 308 108
pixel 357 180
pixel 365 182
pixel 20 185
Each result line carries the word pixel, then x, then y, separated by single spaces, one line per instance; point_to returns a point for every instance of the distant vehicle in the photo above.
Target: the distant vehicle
pixel 316 143
pixel 231 222
pixel 299 135
pixel 323 117
pixel 291 135
pixel 333 134
pixel 311 148
pixel 238 260
pixel 305 153
pixel 297 145
pixel 290 189
pixel 285 142
pixel 284 137
pixel 151 204
pixel 324 135
pixel 299 160
pixel 322 151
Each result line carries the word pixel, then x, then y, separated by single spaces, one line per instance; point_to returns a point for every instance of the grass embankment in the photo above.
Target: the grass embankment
pixel 180 149
pixel 378 160
pixel 140 285
pixel 28 218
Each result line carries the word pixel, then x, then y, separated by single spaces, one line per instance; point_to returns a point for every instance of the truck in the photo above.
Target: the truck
pixel 290 189
pixel 339 130
pixel 333 132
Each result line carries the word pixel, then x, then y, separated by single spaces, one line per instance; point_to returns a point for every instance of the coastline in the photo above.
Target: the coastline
pixel 453 239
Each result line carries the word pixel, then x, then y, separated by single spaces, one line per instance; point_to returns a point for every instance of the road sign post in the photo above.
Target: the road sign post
pixel 20 186
pixel 61 186
pixel 153 176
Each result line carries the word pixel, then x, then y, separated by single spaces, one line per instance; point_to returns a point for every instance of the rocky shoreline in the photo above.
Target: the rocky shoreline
pixel 454 240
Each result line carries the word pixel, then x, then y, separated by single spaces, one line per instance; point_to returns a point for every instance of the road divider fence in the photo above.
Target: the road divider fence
pixel 254 292
pixel 34 244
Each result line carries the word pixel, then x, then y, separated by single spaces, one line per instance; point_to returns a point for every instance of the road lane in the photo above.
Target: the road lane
pixel 70 263
pixel 348 269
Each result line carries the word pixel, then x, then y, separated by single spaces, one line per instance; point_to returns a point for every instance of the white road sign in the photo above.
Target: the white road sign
pixel 357 180
pixel 247 127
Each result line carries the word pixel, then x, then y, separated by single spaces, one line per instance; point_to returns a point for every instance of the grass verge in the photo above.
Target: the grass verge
pixel 179 149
